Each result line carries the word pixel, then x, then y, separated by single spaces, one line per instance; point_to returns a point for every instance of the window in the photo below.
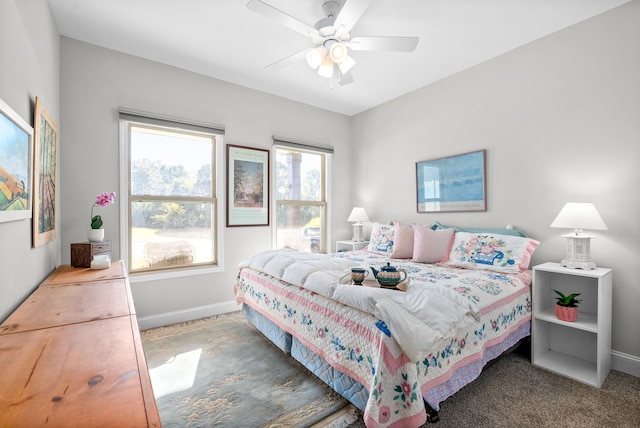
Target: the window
pixel 301 198
pixel 170 187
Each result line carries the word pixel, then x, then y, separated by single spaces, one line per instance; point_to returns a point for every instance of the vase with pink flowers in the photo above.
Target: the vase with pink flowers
pixel 96 231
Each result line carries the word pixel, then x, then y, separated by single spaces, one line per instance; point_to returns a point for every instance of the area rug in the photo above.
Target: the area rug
pixel 222 372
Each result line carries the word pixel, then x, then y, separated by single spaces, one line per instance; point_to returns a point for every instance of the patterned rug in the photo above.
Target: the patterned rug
pixel 221 372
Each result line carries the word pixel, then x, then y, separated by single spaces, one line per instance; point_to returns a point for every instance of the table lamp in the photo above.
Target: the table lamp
pixel 358 215
pixel 578 216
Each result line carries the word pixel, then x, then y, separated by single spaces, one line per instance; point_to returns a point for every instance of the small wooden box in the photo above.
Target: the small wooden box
pixel 82 252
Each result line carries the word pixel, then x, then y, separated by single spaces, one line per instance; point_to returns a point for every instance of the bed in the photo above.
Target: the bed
pixel 396 355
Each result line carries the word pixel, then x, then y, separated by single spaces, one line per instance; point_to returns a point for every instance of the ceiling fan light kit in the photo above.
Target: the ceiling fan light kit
pixel 331 37
pixel 315 56
pixel 326 68
pixel 338 52
pixel 346 65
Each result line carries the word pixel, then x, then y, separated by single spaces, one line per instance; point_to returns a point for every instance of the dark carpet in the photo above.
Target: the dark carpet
pixel 512 394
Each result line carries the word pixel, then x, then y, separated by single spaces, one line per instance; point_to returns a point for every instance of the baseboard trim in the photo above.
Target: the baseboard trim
pixel 176 317
pixel 625 363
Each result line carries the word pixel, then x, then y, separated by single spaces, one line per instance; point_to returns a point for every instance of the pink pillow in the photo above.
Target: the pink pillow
pixel 431 246
pixel 403 241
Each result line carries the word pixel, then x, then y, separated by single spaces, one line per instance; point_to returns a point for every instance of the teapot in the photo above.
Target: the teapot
pixel 389 276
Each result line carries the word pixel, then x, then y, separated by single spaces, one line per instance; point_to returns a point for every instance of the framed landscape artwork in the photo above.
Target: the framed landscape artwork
pixel 16 165
pixel 247 186
pixel 44 180
pixel 455 183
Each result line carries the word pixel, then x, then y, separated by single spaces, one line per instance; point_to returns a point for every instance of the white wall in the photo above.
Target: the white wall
pixel 559 119
pixel 97 81
pixel 29 68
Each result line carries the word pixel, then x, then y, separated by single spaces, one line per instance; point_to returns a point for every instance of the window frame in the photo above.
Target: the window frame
pixel 126 121
pixel 325 188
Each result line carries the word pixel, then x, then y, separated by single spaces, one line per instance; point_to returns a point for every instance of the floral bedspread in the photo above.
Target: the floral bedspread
pixel 360 344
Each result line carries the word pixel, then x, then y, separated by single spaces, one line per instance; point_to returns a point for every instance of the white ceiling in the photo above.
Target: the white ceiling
pixel 225 40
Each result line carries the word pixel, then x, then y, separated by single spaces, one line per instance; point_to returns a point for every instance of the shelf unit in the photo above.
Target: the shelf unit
pixel 581 349
pixel 350 245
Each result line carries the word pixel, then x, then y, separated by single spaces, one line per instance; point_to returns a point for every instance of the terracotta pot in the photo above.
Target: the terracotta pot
pixel 564 313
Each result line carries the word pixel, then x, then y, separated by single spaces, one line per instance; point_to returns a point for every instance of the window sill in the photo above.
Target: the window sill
pixel 181 273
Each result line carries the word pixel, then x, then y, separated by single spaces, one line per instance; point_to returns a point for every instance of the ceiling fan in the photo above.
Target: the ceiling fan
pixel 331 37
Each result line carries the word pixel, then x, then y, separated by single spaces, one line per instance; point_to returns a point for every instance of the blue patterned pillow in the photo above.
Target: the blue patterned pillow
pixel 382 236
pixel 510 232
pixel 489 251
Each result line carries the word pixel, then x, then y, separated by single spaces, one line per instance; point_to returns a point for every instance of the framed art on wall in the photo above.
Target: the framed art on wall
pixel 454 183
pixel 16 165
pixel 44 176
pixel 247 186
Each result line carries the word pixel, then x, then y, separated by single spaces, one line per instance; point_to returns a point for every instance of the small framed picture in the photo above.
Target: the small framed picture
pixel 16 165
pixel 454 183
pixel 247 186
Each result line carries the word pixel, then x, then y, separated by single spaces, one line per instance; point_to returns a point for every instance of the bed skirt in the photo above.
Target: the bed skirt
pixel 343 384
pixel 353 390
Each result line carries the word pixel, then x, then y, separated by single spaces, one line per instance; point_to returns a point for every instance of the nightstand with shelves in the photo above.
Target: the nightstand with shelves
pixel 581 349
pixel 350 245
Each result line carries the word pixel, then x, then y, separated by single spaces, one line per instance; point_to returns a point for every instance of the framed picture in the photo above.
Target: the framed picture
pixel 455 183
pixel 16 165
pixel 247 186
pixel 44 176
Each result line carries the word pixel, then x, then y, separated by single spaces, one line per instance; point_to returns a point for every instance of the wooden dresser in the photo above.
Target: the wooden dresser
pixel 71 355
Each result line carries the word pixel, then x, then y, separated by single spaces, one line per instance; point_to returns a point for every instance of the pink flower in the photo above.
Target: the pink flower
pixel 406 388
pixel 106 198
pixel 486 249
pixel 385 415
pixel 103 199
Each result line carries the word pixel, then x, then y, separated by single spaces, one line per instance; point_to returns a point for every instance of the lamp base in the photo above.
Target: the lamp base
pixel 357 232
pixel 578 264
pixel 578 251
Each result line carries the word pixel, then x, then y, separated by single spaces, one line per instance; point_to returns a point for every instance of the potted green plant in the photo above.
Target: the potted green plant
pixel 567 306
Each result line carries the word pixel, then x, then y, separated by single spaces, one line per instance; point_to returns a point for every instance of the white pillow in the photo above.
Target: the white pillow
pixel 490 251
pixel 382 236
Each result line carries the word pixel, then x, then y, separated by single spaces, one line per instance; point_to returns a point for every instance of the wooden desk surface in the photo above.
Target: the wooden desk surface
pixel 85 375
pixel 65 274
pixel 70 304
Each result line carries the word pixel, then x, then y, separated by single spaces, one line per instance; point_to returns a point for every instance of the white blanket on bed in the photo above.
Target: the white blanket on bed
pixel 417 318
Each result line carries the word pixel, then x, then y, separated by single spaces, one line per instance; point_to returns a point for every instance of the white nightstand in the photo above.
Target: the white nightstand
pixel 350 245
pixel 581 349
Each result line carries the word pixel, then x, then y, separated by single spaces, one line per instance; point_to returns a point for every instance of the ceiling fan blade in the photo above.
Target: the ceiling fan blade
pixel 289 21
pixel 345 78
pixel 384 43
pixel 350 13
pixel 288 60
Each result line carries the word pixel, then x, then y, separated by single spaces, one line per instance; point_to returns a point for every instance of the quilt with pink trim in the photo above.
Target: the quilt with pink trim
pixel 367 335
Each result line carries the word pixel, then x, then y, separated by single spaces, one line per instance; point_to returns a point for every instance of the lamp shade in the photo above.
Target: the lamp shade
pixel 325 69
pixel 577 215
pixel 316 56
pixel 338 52
pixel 358 214
pixel 346 65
